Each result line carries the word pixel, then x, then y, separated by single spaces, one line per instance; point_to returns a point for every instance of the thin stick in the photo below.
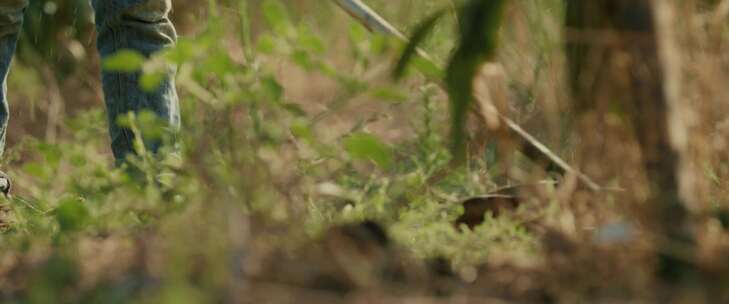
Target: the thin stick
pixel 369 18
pixel 376 23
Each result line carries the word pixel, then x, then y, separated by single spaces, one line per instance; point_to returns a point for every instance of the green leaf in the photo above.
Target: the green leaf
pixel 428 68
pixel 151 125
pixel 51 153
pixel 302 59
pixel 365 146
pixel 272 88
pixel 35 169
pixel 390 94
pixel 219 63
pixel 301 129
pixel 183 51
pixel 151 81
pixel 310 42
pixel 71 214
pixel 478 38
pixel 125 61
pixel 411 50
pixel 266 44
pixel 358 33
pixel 276 16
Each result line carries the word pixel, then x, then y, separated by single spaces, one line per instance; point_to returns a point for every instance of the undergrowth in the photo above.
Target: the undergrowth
pixel 257 160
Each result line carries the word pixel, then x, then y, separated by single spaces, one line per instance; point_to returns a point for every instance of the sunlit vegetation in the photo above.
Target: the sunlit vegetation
pixel 550 151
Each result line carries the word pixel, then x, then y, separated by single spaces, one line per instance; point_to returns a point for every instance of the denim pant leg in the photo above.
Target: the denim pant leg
pixel 11 19
pixel 143 26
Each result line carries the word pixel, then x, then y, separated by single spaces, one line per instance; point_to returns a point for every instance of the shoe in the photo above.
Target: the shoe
pixel 5 184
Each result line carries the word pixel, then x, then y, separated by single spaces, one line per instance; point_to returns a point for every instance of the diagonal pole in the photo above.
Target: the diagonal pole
pixel 530 146
pixel 369 18
pixel 374 22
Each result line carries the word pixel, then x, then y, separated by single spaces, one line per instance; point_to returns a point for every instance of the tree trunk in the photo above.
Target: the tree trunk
pixel 614 67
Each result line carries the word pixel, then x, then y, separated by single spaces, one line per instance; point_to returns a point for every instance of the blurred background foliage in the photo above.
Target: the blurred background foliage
pixel 309 175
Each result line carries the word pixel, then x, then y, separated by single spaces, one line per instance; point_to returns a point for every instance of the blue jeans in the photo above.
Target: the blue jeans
pixel 140 25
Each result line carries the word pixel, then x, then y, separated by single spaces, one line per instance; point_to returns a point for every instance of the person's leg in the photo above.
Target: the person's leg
pixel 142 26
pixel 11 19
